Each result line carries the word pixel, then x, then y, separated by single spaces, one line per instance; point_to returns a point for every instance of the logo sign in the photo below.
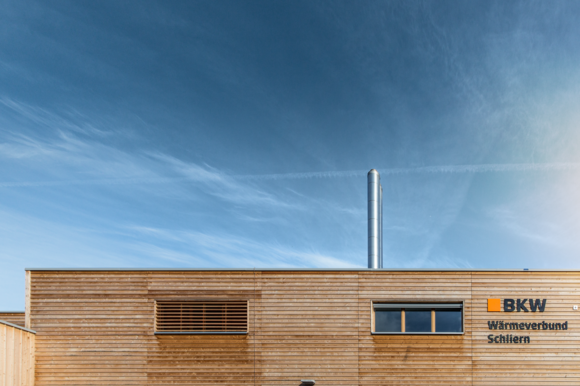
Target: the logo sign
pixel 518 305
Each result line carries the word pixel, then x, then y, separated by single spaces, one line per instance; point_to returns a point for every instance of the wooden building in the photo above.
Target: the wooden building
pixel 279 327
pixel 14 317
pixel 16 355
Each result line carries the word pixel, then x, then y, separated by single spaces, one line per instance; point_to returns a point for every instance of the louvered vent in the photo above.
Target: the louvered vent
pixel 201 316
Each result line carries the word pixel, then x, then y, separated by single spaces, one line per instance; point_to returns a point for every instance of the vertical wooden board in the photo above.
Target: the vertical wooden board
pixel 17 356
pixel 25 353
pixel 9 356
pixel 306 328
pixel 414 359
pixel 211 359
pixel 28 354
pixel 28 359
pixel 32 365
pixel 551 357
pixel 3 355
pixel 14 356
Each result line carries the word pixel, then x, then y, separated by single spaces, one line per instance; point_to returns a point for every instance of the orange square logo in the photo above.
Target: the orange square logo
pixel 493 305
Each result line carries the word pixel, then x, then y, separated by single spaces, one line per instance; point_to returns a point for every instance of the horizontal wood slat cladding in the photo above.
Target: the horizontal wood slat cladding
pixel 414 359
pixel 203 359
pixel 97 328
pixel 306 328
pixel 16 318
pixel 79 340
pixel 16 356
pixel 551 357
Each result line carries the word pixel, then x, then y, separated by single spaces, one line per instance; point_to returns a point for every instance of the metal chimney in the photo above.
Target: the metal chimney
pixel 381 227
pixel 375 219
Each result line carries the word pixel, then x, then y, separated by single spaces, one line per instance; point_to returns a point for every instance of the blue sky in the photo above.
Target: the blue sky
pixel 239 133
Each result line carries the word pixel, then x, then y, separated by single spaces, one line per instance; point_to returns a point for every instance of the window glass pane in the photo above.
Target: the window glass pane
pixel 417 320
pixel 388 321
pixel 448 320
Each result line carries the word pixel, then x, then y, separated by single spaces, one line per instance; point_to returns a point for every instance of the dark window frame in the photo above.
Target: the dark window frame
pixel 164 331
pixel 402 305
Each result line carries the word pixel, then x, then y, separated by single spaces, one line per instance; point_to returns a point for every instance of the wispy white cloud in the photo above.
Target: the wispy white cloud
pixel 73 156
pixel 544 218
pixel 69 120
pixel 519 225
pixel 222 185
pixel 425 215
pixel 111 166
pixel 228 250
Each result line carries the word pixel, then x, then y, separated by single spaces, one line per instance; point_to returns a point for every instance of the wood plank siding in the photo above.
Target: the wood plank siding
pixel 13 317
pixel 307 328
pixel 202 359
pixel 414 359
pixel 16 356
pixel 551 357
pixel 93 327
pixel 98 328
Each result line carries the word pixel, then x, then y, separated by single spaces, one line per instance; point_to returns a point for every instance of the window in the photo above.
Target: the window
pixel 201 317
pixel 388 320
pixel 417 318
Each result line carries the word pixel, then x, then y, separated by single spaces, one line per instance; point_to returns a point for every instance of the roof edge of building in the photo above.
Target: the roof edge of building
pixel 305 269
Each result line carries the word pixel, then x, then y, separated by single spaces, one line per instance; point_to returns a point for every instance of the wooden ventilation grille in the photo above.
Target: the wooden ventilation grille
pixel 201 316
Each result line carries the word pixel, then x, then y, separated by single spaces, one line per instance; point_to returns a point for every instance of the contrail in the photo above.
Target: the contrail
pixel 297 176
pixel 485 168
